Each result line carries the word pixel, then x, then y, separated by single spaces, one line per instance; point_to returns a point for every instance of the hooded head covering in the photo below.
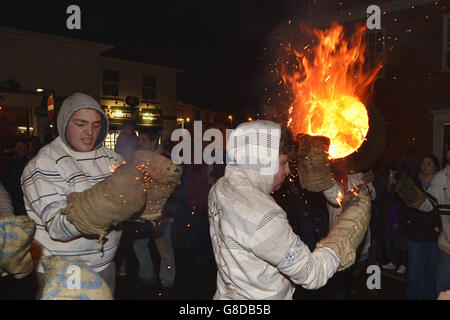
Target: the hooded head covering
pixel 245 221
pixel 253 152
pixel 72 104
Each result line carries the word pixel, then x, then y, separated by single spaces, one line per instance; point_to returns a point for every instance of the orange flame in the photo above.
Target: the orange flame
pixel 340 197
pixel 328 88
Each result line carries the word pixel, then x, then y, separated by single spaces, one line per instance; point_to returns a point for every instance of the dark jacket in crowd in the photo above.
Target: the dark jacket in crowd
pixel 11 181
pixel 419 226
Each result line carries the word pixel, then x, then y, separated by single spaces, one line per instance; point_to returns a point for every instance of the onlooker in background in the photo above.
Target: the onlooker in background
pixel 167 148
pixel 437 197
pixel 6 208
pixel 12 174
pixel 196 189
pixel 422 231
pixel 157 226
pixel 445 157
pixel 379 209
pixel 149 141
pixel 127 142
pixel 34 145
pixel 4 158
pixel 408 163
pixel 395 241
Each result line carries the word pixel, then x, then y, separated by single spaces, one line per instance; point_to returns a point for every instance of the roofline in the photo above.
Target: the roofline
pixel 54 39
pixel 186 104
pixel 140 63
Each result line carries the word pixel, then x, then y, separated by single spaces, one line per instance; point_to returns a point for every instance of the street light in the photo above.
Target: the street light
pixel 182 120
pixel 231 120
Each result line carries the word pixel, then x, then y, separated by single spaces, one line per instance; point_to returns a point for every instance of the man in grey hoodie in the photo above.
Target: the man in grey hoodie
pixel 77 191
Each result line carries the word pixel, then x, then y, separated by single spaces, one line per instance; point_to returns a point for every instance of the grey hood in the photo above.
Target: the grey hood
pixel 72 104
pixel 253 152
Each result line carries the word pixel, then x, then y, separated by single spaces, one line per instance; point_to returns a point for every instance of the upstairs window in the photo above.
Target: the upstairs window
pixel 110 83
pixel 149 88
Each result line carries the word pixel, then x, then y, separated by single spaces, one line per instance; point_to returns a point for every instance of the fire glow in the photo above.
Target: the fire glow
pixel 329 85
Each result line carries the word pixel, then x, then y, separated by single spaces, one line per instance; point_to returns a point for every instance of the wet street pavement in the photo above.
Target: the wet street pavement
pixel 196 280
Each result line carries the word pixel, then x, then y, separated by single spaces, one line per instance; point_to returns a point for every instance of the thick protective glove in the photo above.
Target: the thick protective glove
pixel 444 295
pixel 409 192
pixel 107 203
pixel 16 235
pixel 70 279
pixel 162 176
pixel 348 233
pixel 350 199
pixel 313 164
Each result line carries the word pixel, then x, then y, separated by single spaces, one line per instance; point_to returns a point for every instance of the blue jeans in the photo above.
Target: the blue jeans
pixel 422 262
pixel 165 249
pixel 443 272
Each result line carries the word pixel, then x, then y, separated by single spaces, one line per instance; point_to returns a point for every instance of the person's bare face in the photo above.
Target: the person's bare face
pixel 283 171
pixel 20 149
pixel 144 142
pixel 427 167
pixel 83 129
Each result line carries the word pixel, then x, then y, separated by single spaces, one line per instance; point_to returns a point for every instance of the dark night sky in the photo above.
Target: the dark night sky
pixel 219 44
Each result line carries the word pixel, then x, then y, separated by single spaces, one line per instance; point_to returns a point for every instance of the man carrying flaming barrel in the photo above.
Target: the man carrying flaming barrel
pixel 258 255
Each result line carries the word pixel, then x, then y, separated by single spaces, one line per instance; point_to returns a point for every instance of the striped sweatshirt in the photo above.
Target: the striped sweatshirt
pixel 257 253
pixel 48 178
pixel 439 196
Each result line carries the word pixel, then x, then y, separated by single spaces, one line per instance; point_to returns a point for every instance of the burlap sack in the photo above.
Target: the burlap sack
pixel 157 195
pixel 162 178
pixel 160 169
pixel 70 279
pixel 313 164
pixel 409 192
pixel 107 203
pixel 444 295
pixel 348 233
pixel 16 235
